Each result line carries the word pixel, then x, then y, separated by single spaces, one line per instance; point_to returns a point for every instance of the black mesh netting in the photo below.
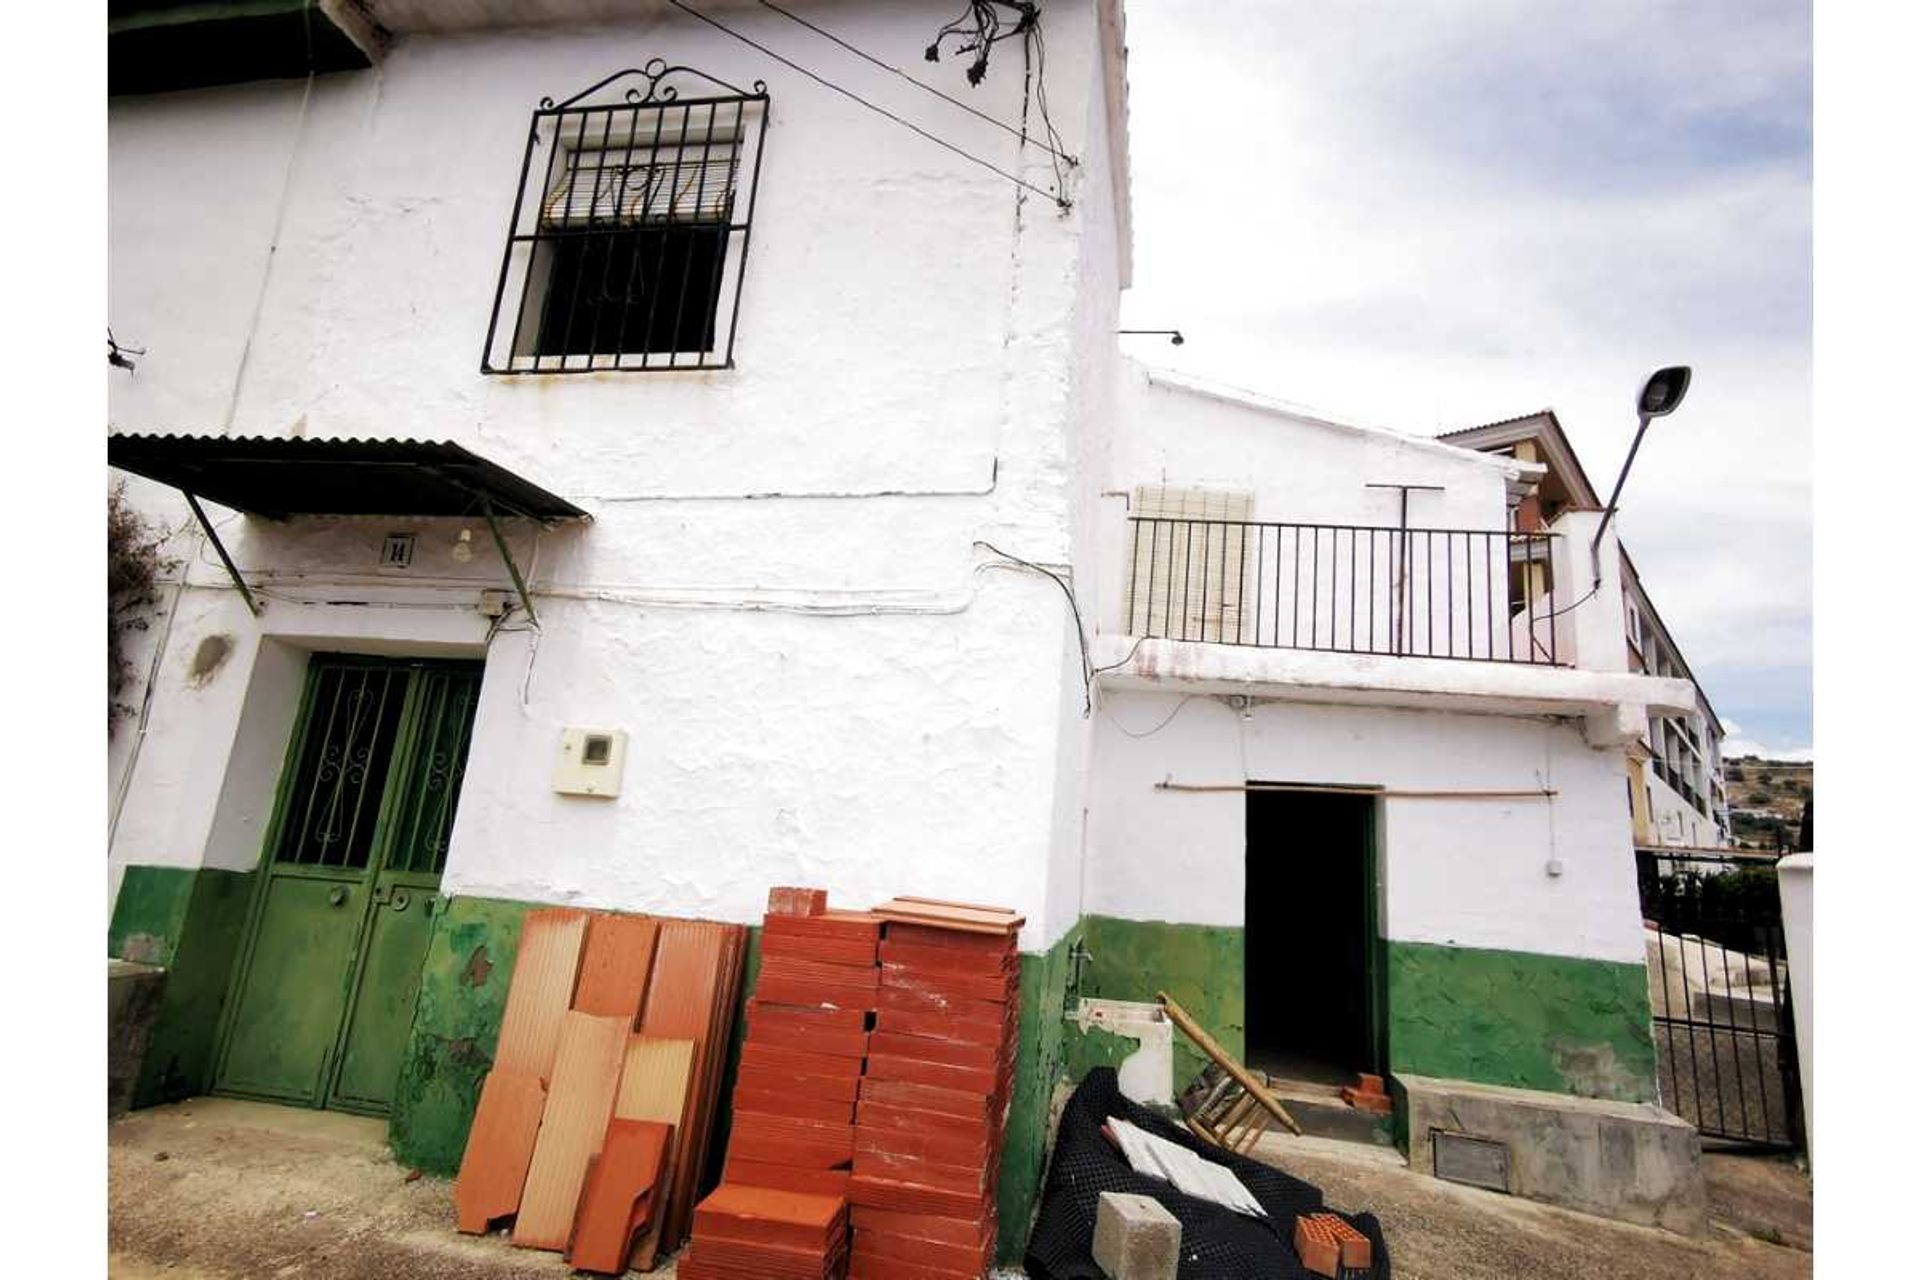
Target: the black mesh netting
pixel 1215 1242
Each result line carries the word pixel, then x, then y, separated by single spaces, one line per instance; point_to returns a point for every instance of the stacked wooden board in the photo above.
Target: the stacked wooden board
pixel 592 1127
pixel 931 1119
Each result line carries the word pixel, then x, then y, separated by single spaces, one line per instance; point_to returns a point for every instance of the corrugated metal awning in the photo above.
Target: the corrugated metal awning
pixel 280 476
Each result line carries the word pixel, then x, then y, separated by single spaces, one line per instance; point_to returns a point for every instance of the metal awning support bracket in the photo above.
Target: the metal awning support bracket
pixel 519 583
pixel 206 527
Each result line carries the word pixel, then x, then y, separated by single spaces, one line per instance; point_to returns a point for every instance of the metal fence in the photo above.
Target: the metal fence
pixel 1721 995
pixel 1488 595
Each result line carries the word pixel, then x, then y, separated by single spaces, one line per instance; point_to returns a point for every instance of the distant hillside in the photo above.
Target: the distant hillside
pixel 1773 792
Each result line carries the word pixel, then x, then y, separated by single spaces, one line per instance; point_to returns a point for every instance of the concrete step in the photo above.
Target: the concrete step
pixel 1322 1113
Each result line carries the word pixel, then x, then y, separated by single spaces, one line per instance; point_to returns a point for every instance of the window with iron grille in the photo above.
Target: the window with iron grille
pixel 628 246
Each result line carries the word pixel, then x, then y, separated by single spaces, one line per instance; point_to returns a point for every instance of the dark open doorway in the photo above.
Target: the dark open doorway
pixel 1312 936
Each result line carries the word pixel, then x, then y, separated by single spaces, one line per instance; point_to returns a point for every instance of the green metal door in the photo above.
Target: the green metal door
pixel 325 987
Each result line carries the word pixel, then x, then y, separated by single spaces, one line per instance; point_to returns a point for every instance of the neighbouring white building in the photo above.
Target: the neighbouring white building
pixel 635 474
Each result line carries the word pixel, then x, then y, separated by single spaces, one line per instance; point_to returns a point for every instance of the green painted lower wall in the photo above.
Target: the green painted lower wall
pixel 1517 1018
pixel 1203 967
pixel 463 994
pixel 1040 1065
pixel 188 920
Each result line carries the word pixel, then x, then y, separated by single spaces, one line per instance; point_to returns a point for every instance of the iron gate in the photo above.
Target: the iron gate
pixel 1722 1004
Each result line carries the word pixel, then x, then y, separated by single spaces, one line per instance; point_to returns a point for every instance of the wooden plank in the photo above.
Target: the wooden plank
pixel 620 1194
pixel 615 966
pixel 499 1148
pixel 721 1022
pixel 679 1006
pixel 1241 1076
pixel 541 992
pixel 654 1080
pixel 960 916
pixel 586 1080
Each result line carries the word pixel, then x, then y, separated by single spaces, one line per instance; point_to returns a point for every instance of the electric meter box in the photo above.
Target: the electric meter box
pixel 591 762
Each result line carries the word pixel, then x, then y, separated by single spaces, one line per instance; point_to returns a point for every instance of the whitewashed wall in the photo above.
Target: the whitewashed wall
pixel 831 685
pixel 1471 873
pixel 1178 431
pixel 1465 873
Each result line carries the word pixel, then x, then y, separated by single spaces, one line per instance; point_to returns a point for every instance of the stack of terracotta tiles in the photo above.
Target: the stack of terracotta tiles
pixel 592 1127
pixel 930 1123
pixel 789 1156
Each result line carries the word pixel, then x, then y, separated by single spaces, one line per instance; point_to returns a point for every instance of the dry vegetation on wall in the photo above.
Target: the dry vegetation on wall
pixel 1780 788
pixel 134 569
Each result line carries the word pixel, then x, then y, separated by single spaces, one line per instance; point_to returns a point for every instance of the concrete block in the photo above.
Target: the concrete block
pixel 1627 1160
pixel 1135 1238
pixel 133 1005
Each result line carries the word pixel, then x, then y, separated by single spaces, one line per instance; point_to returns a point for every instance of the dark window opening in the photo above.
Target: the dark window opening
pixel 636 290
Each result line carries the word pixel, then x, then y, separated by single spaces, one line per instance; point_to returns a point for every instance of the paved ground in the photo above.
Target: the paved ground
pixel 215 1188
pixel 1439 1231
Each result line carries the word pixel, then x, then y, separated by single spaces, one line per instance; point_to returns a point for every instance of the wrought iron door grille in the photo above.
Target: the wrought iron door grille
pixel 352 723
pixel 627 248
pixel 439 765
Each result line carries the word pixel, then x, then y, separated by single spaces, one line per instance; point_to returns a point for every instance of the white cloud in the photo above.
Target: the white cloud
pixel 1431 216
pixel 1737 744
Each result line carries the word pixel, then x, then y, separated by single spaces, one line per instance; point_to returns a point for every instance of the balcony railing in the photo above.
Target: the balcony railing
pixel 1424 593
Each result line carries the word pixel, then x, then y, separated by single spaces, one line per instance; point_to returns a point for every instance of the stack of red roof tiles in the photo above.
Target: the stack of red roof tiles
pixel 876 1071
pixel 793 1100
pixel 758 1233
pixel 931 1119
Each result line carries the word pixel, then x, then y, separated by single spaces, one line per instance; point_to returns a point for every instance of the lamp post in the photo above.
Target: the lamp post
pixel 1660 395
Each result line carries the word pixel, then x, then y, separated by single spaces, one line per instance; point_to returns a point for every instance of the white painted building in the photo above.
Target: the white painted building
pixel 886 584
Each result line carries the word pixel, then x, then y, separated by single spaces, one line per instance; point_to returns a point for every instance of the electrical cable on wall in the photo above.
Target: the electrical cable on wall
pixel 893 70
pixel 1079 628
pixel 1058 197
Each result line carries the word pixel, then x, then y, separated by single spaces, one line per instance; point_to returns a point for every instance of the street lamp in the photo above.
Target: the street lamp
pixel 1660 396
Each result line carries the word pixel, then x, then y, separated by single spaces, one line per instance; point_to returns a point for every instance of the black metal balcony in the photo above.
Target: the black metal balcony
pixel 1485 595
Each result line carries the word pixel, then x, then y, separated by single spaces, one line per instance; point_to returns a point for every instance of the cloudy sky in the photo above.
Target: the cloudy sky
pixel 1430 215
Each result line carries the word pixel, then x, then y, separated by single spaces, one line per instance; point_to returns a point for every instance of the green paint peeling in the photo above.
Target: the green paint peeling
pixel 1082 1051
pixel 1038 1066
pixel 188 920
pixel 463 994
pixel 1203 967
pixel 1517 1018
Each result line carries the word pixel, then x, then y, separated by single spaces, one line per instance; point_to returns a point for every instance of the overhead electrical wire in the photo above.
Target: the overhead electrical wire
pixel 1055 196
pixel 922 84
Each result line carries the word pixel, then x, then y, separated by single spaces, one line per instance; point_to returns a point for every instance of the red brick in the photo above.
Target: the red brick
pixel 938 984
pixel 811 1017
pixel 970 1179
pixel 927 1144
pixel 773 1057
pixel 983 1080
pixel 951 939
pixel 1316 1247
pixel 827 949
pixel 786 1102
pixel 977 1232
pixel 826 995
pixel 839 1088
pixel 970 1260
pixel 758 1173
pixel 889 1193
pixel 784 901
pixel 958 1053
pixel 881 1116
pixel 760 1215
pixel 966 1104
